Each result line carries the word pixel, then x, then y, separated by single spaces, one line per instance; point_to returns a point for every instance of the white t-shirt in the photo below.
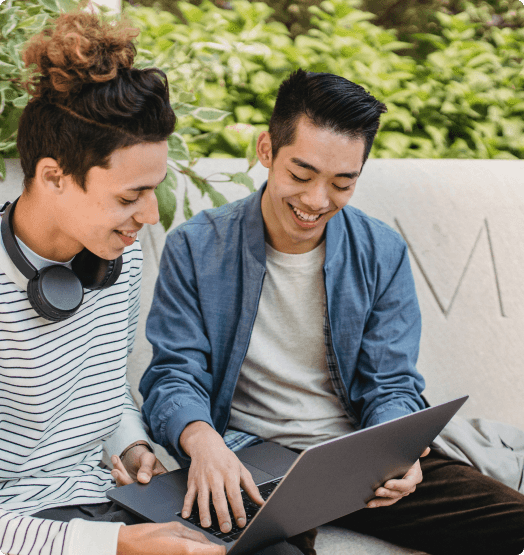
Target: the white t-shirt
pixel 284 392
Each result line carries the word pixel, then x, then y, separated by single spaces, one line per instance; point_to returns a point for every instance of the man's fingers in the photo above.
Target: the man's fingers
pixel 191 542
pixel 409 482
pixel 237 503
pixel 203 507
pixel 119 472
pixel 189 500
pixel 120 478
pixel 145 472
pixel 159 468
pixel 249 486
pixel 190 547
pixel 427 451
pixel 391 493
pixel 383 502
pixel 182 531
pixel 221 508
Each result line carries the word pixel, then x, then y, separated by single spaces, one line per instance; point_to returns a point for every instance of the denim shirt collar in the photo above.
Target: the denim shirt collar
pixel 255 235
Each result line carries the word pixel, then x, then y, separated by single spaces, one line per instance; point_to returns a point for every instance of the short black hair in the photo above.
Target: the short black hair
pixel 330 102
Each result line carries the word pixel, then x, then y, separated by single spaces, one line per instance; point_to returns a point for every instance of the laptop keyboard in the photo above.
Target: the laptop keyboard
pixel 250 508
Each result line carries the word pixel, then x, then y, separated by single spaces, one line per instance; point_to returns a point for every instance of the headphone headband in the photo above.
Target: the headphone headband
pixel 11 244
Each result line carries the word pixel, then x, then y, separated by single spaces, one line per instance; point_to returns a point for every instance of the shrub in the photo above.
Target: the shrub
pixel 465 99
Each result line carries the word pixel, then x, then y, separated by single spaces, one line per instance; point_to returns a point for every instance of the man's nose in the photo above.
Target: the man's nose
pixel 148 213
pixel 316 197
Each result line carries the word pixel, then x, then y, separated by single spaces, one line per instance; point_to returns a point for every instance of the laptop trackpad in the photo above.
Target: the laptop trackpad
pixel 259 476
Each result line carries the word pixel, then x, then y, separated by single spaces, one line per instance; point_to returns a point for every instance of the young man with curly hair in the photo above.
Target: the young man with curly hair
pixel 93 147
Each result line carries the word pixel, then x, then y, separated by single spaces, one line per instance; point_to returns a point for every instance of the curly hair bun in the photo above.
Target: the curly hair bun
pixel 78 48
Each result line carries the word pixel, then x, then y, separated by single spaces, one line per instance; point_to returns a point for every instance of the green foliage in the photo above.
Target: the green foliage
pixel 463 99
pixel 233 60
pixel 21 19
pixel 18 20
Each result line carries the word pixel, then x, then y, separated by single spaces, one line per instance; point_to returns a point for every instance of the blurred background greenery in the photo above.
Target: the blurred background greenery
pixel 450 71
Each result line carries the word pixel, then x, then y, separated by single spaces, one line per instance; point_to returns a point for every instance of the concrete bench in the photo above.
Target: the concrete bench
pixel 463 221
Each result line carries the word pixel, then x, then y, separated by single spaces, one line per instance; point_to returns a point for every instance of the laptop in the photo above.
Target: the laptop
pixel 323 483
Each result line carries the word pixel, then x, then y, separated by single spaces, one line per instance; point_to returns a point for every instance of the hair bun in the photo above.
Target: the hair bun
pixel 78 48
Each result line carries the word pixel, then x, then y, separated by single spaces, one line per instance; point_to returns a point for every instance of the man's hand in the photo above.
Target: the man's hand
pixel 393 490
pixel 138 464
pixel 215 470
pixel 172 538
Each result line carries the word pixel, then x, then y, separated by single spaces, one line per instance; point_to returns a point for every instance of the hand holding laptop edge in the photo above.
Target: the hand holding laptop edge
pixel 394 490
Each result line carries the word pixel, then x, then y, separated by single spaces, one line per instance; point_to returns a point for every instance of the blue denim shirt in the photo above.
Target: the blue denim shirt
pixel 206 299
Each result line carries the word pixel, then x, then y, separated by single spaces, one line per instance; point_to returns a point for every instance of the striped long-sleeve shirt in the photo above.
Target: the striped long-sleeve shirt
pixel 63 394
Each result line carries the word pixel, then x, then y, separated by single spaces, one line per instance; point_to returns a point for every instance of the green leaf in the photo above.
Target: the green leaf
pixel 50 5
pixel 167 199
pixel 5 67
pixel 67 5
pixel 188 213
pixel 218 199
pixel 209 114
pixel 177 147
pixel 186 97
pixel 241 178
pixel 2 168
pixel 21 101
pixel 182 109
pixel 10 124
pixel 251 151
pixel 8 27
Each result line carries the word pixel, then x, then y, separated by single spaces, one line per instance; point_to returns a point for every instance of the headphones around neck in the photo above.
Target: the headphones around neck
pixel 56 292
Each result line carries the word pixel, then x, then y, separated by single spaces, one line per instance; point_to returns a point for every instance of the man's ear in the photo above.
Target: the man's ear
pixel 49 175
pixel 264 151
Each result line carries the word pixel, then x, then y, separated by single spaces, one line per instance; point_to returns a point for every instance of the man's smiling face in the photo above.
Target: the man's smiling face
pixel 309 181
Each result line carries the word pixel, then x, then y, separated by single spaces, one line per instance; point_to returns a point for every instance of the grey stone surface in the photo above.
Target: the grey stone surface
pixel 336 541
pixel 463 221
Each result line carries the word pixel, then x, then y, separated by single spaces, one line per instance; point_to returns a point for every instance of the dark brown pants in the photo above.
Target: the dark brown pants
pixel 455 510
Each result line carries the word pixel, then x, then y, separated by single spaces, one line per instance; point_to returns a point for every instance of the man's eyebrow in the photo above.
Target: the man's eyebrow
pixel 307 166
pixel 146 187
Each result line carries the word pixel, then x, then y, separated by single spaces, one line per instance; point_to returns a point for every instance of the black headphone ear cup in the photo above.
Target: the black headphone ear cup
pixel 36 302
pixel 56 293
pixel 114 269
pixel 94 272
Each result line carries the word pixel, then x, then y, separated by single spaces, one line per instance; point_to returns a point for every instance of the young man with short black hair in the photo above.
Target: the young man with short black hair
pixel 292 317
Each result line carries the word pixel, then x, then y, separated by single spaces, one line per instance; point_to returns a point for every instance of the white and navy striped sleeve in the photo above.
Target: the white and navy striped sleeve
pixel 25 535
pixel 132 427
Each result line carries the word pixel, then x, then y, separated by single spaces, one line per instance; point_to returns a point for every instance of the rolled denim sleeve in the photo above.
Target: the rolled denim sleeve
pixel 177 384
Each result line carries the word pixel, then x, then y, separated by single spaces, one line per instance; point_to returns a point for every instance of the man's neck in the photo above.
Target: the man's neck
pixel 34 224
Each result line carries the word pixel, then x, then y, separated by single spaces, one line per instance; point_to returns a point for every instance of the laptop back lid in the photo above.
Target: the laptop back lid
pixel 338 477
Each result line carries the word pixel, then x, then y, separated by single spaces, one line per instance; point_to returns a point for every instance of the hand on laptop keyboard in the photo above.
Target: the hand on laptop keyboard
pixel 251 510
pixel 215 474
